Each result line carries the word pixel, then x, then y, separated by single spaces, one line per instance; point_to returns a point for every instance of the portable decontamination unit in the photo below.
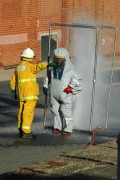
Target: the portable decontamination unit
pixel 92 49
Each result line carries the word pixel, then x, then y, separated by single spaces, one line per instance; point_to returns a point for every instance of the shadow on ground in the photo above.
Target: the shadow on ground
pixel 13 176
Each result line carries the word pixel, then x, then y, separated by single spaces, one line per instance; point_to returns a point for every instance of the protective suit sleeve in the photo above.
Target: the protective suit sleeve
pixel 76 84
pixel 45 82
pixel 13 82
pixel 35 68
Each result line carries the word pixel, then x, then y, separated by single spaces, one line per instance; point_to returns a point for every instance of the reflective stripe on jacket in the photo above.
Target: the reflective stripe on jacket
pixel 24 80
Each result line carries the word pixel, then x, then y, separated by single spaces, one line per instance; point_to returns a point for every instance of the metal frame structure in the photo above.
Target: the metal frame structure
pixel 97 28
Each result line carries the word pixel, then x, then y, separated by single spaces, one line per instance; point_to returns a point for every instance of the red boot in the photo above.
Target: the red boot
pixel 65 133
pixel 55 131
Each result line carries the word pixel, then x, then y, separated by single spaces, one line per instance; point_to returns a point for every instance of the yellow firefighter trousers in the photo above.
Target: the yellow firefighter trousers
pixel 25 115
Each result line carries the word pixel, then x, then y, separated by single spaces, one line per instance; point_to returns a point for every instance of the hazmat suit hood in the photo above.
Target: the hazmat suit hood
pixel 69 69
pixel 61 53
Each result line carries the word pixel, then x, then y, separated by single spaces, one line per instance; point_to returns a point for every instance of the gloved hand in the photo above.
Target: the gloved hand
pixel 68 89
pixel 52 64
pixel 14 94
pixel 45 90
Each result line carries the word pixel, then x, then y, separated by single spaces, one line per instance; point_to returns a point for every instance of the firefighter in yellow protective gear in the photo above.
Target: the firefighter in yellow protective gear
pixel 23 81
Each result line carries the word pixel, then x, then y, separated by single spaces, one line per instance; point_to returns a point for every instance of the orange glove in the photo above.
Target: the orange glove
pixel 68 89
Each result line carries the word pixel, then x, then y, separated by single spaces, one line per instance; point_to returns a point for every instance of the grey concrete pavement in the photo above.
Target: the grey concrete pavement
pixel 15 152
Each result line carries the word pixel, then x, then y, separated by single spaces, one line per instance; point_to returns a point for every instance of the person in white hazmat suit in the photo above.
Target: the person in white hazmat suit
pixel 63 84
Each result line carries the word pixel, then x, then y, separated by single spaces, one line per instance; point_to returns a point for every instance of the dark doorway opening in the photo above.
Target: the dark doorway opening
pixel 44 47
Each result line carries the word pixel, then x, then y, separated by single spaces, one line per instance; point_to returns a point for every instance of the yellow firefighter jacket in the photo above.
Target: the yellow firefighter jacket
pixel 24 80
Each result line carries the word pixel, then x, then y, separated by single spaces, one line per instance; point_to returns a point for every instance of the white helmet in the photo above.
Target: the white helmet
pixel 61 53
pixel 28 53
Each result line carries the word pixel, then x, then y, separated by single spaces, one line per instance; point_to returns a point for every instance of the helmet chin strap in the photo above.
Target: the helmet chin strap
pixel 27 59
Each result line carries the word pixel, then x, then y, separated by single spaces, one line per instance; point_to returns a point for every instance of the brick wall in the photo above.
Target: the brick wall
pixel 20 23
pixel 103 12
pixel 22 20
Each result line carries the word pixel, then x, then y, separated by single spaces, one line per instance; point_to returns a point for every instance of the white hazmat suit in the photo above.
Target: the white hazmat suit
pixel 61 100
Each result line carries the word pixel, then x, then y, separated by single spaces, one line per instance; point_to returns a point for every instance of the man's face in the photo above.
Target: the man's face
pixel 60 62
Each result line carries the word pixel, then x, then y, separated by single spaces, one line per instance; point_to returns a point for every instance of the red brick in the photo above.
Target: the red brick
pixel 32 17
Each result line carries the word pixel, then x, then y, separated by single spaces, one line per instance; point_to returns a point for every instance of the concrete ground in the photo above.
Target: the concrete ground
pixel 98 162
pixel 51 156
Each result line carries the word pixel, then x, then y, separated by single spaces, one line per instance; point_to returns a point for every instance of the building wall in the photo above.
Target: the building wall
pixel 23 21
pixel 98 12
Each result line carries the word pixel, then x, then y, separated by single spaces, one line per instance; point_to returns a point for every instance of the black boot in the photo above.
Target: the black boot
pixel 20 134
pixel 28 136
